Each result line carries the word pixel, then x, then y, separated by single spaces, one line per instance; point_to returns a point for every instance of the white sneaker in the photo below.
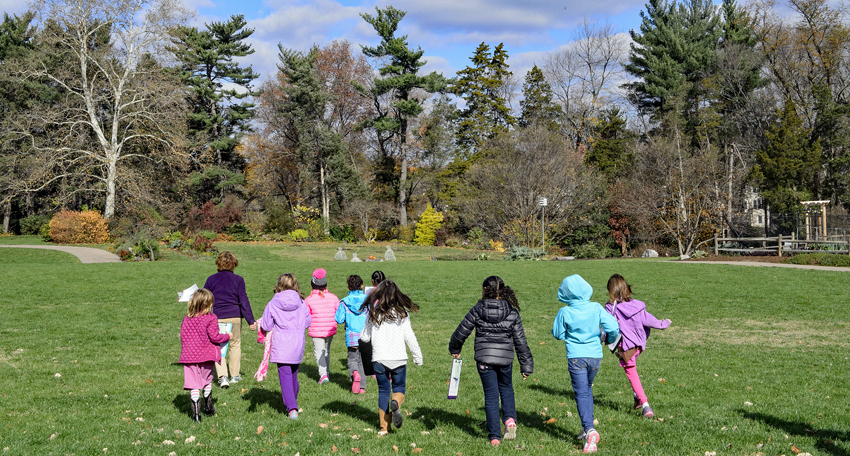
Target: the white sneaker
pixel 223 383
pixel 235 379
pixel 591 439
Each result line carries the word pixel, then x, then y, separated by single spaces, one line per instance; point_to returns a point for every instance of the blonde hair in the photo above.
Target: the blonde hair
pixel 618 289
pixel 287 282
pixel 200 304
pixel 226 261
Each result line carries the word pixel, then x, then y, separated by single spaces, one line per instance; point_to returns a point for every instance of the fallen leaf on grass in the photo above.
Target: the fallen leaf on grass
pixel 407 413
pixel 662 380
pixel 551 420
pixel 243 390
pixel 748 403
pixel 355 437
pixel 355 450
pixel 323 425
pixel 542 343
pixel 140 419
pixel 147 380
pixel 334 449
pixel 795 450
pixel 425 432
pixel 260 429
pixel 416 450
pixel 52 436
pixel 395 448
pixel 467 411
pixel 167 442
pixel 189 439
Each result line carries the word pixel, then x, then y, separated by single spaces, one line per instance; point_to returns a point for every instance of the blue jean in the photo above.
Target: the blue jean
pixel 582 373
pixel 389 381
pixel 497 382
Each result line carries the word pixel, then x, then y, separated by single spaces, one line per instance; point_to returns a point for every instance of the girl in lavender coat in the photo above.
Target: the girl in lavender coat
pixel 635 323
pixel 286 316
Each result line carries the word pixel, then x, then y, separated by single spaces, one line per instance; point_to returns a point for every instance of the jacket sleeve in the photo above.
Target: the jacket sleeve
pixel 609 308
pixel 339 316
pixel 266 321
pixel 652 322
pixel 244 304
pixel 412 343
pixel 523 353
pixel 559 328
pixel 366 334
pixel 215 337
pixel 609 325
pixel 307 317
pixel 464 329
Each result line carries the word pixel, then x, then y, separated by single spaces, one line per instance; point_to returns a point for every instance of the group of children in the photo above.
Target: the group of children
pixel 378 318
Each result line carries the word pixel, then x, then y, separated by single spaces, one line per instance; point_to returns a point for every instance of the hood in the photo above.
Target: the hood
pixel 287 300
pixel 629 308
pixel 574 290
pixel 495 310
pixel 355 301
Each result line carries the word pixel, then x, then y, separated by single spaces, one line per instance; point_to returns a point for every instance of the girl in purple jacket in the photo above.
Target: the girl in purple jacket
pixel 200 339
pixel 635 323
pixel 286 316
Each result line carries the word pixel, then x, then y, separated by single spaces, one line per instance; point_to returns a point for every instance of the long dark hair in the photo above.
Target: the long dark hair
pixel 378 277
pixel 387 303
pixel 495 288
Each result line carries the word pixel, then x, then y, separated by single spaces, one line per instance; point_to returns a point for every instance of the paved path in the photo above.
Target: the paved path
pixel 774 265
pixel 85 254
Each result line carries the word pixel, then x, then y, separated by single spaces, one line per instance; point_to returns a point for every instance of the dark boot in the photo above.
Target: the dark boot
pixel 196 411
pixel 209 408
pixel 395 405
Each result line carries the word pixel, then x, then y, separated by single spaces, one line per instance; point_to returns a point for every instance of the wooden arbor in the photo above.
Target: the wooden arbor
pixel 815 220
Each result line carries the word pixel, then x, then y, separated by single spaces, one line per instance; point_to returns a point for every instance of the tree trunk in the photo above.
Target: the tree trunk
pixel 729 196
pixel 7 215
pixel 402 192
pixel 111 176
pixel 326 213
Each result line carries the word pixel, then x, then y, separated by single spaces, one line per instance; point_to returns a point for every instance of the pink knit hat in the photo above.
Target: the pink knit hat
pixel 319 277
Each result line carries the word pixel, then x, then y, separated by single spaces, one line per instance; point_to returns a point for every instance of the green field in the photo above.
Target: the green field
pixel 755 362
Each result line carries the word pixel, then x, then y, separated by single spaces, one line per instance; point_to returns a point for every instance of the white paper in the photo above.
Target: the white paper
pixel 224 328
pixel 186 295
pixel 454 380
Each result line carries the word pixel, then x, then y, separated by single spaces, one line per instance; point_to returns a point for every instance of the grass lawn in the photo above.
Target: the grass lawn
pixel 755 362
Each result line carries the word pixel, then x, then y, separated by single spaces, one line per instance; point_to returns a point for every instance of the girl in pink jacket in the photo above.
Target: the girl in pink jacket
pixel 200 339
pixel 635 323
pixel 322 305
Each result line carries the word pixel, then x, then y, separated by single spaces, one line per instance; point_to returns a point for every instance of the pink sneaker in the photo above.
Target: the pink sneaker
pixel 590 441
pixel 510 429
pixel 355 382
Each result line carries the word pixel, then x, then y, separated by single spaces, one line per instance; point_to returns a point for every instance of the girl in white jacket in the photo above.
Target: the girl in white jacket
pixel 388 328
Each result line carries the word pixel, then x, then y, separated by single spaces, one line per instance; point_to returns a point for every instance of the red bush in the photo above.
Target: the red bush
pixel 214 218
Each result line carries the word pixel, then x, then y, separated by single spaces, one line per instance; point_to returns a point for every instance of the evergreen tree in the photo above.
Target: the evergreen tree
pixel 402 86
pixel 481 86
pixel 219 116
pixel 785 169
pixel 537 105
pixel 609 151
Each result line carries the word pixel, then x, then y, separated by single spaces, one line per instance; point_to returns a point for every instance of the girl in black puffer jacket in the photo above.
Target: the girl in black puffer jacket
pixel 498 333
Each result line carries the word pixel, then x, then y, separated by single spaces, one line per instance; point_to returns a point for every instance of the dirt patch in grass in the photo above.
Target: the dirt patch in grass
pixel 775 334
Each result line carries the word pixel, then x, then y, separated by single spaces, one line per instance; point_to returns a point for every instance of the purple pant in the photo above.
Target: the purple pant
pixel 288 374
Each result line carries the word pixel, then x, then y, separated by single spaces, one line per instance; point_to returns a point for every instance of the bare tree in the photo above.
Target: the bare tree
pixel 502 190
pixel 117 104
pixel 585 73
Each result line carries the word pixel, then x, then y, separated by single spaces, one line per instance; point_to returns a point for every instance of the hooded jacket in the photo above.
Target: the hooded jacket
pixel 322 311
pixel 498 332
pixel 634 322
pixel 349 313
pixel 287 317
pixel 578 322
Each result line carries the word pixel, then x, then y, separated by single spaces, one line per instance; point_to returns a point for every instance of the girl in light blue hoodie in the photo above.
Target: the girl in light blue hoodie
pixel 578 323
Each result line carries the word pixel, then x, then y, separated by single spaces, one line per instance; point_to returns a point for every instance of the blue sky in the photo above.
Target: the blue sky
pixel 447 30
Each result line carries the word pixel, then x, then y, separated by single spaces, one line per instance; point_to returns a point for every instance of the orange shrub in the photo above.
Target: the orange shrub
pixel 72 227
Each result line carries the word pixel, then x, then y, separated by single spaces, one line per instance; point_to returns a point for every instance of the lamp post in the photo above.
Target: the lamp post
pixel 543 202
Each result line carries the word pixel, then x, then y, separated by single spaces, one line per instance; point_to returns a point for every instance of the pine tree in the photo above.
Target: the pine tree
pixel 537 105
pixel 481 86
pixel 785 169
pixel 398 82
pixel 219 116
pixel 609 151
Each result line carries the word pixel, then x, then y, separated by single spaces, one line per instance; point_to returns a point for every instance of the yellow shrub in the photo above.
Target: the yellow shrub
pixel 426 230
pixel 72 227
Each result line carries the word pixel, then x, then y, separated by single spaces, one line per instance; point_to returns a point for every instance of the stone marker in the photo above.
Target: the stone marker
pixel 649 253
pixel 389 255
pixel 354 258
pixel 340 255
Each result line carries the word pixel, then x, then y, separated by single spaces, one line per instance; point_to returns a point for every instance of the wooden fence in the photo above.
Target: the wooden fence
pixel 781 246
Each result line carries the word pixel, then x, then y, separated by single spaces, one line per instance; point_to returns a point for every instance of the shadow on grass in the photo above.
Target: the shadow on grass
pixel 599 399
pixel 312 372
pixel 825 438
pixel 435 418
pixel 354 410
pixel 259 396
pixel 183 404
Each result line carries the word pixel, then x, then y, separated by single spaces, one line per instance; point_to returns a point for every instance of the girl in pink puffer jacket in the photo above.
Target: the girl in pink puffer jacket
pixel 322 305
